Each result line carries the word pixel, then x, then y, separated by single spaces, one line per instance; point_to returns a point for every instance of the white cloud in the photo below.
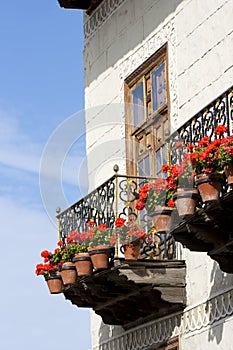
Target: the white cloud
pixel 21 156
pixel 17 149
pixel 22 151
pixel 24 233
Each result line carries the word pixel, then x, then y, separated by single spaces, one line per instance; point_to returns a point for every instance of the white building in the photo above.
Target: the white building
pixel 171 58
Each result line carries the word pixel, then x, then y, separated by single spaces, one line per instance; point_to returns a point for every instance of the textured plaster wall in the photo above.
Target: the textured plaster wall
pixel 204 57
pixel 218 337
pixel 200 40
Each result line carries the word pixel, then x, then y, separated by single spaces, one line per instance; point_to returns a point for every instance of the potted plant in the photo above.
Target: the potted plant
pixel 131 237
pixel 100 244
pixel 207 166
pixel 68 269
pixel 50 270
pixel 156 198
pixel 185 195
pixel 225 152
pixel 81 259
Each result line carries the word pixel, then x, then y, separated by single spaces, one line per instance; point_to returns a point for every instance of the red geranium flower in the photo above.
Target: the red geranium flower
pixel 60 243
pixel 102 227
pixel 220 129
pixel 140 205
pixel 45 254
pixel 119 222
pixel 91 223
pixel 165 168
pixel 171 203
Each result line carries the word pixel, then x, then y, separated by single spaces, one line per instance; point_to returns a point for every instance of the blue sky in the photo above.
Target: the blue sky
pixel 41 87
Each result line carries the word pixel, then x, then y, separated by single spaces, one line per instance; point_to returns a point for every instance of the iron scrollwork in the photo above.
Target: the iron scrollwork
pixel 100 205
pixel 220 111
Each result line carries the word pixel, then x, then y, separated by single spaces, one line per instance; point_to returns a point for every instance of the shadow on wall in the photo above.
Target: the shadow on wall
pixel 107 332
pixel 125 30
pixel 155 335
pixel 220 281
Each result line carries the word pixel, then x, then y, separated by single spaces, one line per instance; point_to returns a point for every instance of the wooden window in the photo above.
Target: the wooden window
pixel 147 121
pixel 171 344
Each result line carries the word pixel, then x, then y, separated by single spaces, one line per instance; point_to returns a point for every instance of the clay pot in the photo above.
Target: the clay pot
pixel 54 283
pixel 100 256
pixel 68 273
pixel 185 201
pixel 83 264
pixel 161 219
pixel 209 186
pixel 228 169
pixel 131 252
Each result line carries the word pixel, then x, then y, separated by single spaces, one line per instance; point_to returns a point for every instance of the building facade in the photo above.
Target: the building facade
pixel 150 66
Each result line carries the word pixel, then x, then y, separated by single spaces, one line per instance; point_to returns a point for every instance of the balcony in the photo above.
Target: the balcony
pixel 128 292
pixel 210 228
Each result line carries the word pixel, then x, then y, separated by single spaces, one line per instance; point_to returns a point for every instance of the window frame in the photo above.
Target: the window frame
pixel 152 119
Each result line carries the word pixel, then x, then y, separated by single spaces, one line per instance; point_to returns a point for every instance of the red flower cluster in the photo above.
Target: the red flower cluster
pixel 221 129
pixel 155 193
pixel 128 232
pixel 44 269
pixel 208 156
pixel 79 238
pixel 51 260
pixel 46 255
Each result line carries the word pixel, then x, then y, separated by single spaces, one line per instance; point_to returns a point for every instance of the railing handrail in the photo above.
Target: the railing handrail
pixel 203 110
pixel 112 178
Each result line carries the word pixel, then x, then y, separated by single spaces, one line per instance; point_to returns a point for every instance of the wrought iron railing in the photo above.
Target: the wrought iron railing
pixel 220 111
pixel 116 197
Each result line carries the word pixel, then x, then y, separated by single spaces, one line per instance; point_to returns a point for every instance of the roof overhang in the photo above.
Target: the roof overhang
pixel 88 5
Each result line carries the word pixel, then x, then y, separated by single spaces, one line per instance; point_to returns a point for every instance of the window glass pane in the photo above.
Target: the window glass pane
pixel 137 104
pixel 144 167
pixel 140 169
pixel 164 154
pixel 159 87
pixel 158 162
pixel 147 166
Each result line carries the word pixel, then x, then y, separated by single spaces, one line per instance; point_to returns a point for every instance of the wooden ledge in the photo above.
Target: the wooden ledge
pixel 209 230
pixel 132 291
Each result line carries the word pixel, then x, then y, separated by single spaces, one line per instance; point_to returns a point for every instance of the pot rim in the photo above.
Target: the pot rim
pixel 161 212
pixel 193 195
pixel 63 268
pixel 55 277
pixel 82 258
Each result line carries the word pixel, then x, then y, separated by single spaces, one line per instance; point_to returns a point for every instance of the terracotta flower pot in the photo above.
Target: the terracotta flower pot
pixel 161 219
pixel 209 186
pixel 100 256
pixel 228 169
pixel 131 252
pixel 68 273
pixel 83 264
pixel 185 201
pixel 54 283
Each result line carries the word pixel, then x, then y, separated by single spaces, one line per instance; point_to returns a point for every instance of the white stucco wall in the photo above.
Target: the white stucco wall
pixel 218 337
pixel 200 40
